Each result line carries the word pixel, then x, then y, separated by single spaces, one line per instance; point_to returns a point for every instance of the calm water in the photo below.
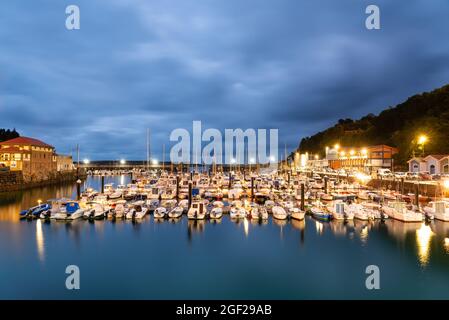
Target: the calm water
pixel 224 260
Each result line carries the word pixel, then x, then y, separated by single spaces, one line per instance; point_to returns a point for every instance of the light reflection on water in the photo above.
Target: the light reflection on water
pixel 243 258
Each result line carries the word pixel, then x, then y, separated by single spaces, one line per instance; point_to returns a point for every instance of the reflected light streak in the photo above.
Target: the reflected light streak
pixel 246 227
pixel 40 240
pixel 319 227
pixel 423 237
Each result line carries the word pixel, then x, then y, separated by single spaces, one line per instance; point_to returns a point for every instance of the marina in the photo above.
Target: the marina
pixel 165 250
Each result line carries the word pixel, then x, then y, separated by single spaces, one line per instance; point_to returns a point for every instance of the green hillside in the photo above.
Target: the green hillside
pixel 399 126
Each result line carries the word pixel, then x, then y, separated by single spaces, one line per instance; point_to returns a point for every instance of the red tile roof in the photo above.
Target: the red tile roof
pixel 25 141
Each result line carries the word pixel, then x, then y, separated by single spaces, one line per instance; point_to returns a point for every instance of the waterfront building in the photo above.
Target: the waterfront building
pixel 433 164
pixel 367 159
pixel 36 159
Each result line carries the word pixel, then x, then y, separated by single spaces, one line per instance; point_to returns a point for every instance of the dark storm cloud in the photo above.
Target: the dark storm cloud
pixel 294 65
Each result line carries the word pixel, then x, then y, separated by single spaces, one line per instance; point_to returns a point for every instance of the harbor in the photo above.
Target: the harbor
pixel 284 254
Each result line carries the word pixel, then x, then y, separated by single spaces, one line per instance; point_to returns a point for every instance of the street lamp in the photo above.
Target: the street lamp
pixel 336 146
pixel 86 161
pixel 155 162
pixel 422 139
pixel 122 161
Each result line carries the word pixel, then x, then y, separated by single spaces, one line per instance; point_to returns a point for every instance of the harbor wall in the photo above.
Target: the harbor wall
pixel 14 180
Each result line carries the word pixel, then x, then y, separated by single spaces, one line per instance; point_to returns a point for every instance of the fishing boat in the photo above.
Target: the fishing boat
pixel 197 211
pixel 439 209
pixel 279 213
pixel 176 212
pixel 398 210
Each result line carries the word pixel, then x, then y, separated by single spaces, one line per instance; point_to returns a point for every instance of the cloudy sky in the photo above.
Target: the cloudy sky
pixel 294 65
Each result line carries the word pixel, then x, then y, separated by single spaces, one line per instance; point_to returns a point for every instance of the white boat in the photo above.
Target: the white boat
pixel 297 213
pixel 359 212
pixel 176 212
pixel 238 212
pixel 398 210
pixel 160 213
pixel 338 210
pixel 120 210
pixel 95 211
pixel 197 211
pixel 279 213
pixel 216 213
pixel 73 210
pixel 137 211
pixel 438 209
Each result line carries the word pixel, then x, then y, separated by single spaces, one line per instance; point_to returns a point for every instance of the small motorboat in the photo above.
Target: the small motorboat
pixel 96 211
pixel 297 214
pixel 216 213
pixel 120 210
pixel 34 212
pixel 137 211
pixel 176 212
pixel 160 213
pixel 279 213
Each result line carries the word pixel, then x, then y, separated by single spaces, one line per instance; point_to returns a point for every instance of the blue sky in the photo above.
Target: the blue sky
pixel 294 65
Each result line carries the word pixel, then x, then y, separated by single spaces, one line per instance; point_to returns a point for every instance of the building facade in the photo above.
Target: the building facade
pixel 367 159
pixel 36 159
pixel 433 164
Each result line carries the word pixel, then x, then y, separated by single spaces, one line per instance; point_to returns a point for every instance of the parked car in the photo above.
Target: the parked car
pixel 435 177
pixel 412 176
pixel 385 173
pixel 400 175
pixel 425 176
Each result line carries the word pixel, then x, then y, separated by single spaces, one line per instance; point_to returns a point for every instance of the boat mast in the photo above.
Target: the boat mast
pixel 163 157
pixel 148 149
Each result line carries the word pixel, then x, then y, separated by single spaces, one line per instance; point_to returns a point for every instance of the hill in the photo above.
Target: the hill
pixel 399 126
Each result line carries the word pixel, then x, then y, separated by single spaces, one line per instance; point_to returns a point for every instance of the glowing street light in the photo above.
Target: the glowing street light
pixel 317 157
pixel 422 139
pixel 364 151
pixel 122 161
pixel 155 162
pixel 39 202
pixel 336 146
pixel 252 161
pixel 272 159
pixel 233 161
pixel 86 161
pixel 352 152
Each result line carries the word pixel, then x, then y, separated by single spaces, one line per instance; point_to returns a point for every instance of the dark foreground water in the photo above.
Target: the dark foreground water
pixel 224 260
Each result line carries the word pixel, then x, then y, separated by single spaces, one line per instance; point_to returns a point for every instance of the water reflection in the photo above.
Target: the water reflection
pixel 446 245
pixel 246 227
pixel 423 239
pixel 40 240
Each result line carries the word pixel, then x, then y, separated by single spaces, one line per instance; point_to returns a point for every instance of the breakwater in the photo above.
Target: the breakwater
pixel 14 181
